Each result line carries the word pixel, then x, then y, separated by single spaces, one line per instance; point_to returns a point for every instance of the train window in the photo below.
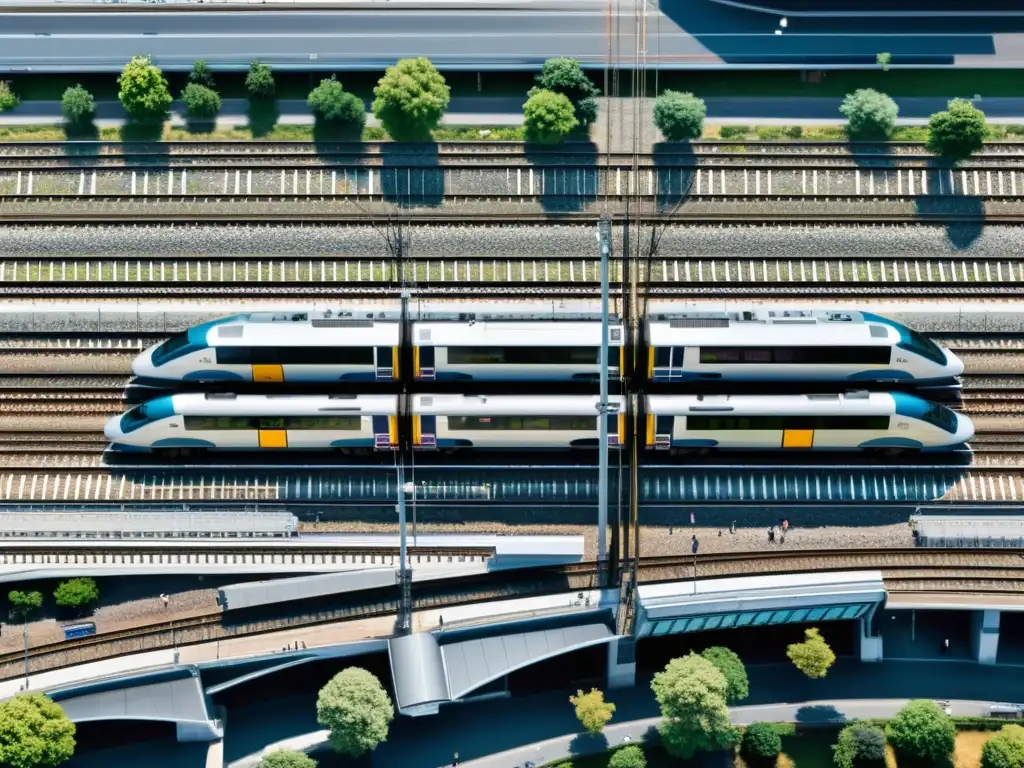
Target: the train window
pixel 512 423
pixel 878 355
pixel 134 419
pixel 220 423
pixel 523 355
pixel 663 425
pixel 295 355
pixel 662 357
pixel 778 423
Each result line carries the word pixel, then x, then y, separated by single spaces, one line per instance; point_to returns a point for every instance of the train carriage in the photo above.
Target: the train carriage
pixel 483 422
pixel 195 421
pixel 522 350
pixel 792 345
pixel 890 422
pixel 276 347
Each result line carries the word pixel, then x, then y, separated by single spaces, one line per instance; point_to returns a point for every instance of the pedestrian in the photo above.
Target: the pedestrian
pixel 771 535
pixel 732 527
pixel 782 538
pixel 719 533
pixel 785 526
pixel 693 520
pixel 945 645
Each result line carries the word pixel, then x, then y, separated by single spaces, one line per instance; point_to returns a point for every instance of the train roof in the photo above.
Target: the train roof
pixel 510 405
pixel 540 333
pixel 213 404
pixel 723 405
pixel 804 330
pixel 270 329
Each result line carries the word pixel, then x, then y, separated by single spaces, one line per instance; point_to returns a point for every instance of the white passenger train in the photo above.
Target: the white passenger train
pixel 889 422
pixel 326 346
pixel 196 422
pixel 791 345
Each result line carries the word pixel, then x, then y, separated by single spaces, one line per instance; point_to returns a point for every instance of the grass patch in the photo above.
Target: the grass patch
pixel 968 748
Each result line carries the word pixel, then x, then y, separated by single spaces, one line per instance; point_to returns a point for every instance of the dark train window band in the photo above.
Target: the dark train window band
pixel 205 423
pixel 523 355
pixel 295 356
pixel 549 423
pixel 768 423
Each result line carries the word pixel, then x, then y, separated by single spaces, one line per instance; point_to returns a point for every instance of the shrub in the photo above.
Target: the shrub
pixel 411 99
pixel 859 744
pixel 870 115
pixel 202 103
pixel 760 743
pixel 23 603
pixel 923 731
pixel 357 711
pixel 334 105
pixel 730 665
pixel 8 98
pixel 566 76
pixel 813 656
pixel 201 74
pixel 770 132
pixel 1005 749
pixel 958 132
pixel 259 82
pixel 628 757
pixel 34 732
pixel 794 132
pixel 548 117
pixel 287 758
pixel 592 710
pixel 76 593
pixel 77 105
pixel 143 90
pixel 679 116
pixel 728 132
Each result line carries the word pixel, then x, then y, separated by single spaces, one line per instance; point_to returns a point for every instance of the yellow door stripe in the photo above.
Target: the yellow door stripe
pixel 416 440
pixel 394 359
pixel 393 429
pixel 416 362
pixel 650 363
pixel 650 429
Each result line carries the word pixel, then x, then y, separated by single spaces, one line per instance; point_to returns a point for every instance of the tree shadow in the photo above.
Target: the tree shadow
pixel 147 146
pixel 411 177
pixel 676 167
pixel 820 715
pixel 868 152
pixel 564 179
pixel 946 198
pixel 200 127
pixel 588 744
pixel 263 116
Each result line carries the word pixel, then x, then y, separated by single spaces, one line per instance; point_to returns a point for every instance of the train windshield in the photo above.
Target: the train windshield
pixel 912 341
pixel 941 417
pixel 135 418
pixel 176 346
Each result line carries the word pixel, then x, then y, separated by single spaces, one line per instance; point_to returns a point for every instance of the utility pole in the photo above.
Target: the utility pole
pixel 405 447
pixel 604 237
pixel 25 632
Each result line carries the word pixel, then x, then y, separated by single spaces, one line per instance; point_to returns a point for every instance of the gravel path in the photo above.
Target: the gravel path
pixel 993 242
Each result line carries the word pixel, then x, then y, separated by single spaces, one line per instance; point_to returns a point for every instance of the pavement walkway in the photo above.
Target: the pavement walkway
pixel 507 110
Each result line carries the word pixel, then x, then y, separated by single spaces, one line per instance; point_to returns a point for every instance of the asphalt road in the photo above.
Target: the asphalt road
pixel 679 34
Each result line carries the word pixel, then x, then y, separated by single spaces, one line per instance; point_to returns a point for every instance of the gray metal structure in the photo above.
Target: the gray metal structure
pixel 605 239
pixel 248 595
pixel 148 525
pixel 429 672
pixel 974 531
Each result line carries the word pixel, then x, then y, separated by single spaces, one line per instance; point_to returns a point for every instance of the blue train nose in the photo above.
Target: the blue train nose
pixel 964 428
pixel 112 431
pixel 142 366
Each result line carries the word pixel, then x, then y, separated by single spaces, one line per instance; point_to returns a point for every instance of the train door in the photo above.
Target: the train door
pixel 424 363
pixel 667 363
pixel 387 363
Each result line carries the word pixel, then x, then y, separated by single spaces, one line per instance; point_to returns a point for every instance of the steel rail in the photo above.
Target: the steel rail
pixel 908 570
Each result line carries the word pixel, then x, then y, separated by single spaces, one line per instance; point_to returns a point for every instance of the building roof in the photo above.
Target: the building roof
pixel 175 695
pixel 427 673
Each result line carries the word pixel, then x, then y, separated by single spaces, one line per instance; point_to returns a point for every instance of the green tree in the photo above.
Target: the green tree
pixel 813 656
pixel 958 132
pixel 628 757
pixel 883 60
pixel 548 117
pixel 870 115
pixel 23 603
pixel 34 732
pixel 761 743
pixel 8 98
pixel 143 91
pixel 730 665
pixel 287 758
pixel 78 105
pixel 201 74
pixel 1005 749
pixel 691 693
pixel 411 99
pixel 679 116
pixel 566 76
pixel 592 710
pixel 76 593
pixel 259 82
pixel 333 105
pixel 356 710
pixel 923 731
pixel 202 103
pixel 859 744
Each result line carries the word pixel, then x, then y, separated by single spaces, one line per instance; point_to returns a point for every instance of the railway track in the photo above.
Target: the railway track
pixel 917 570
